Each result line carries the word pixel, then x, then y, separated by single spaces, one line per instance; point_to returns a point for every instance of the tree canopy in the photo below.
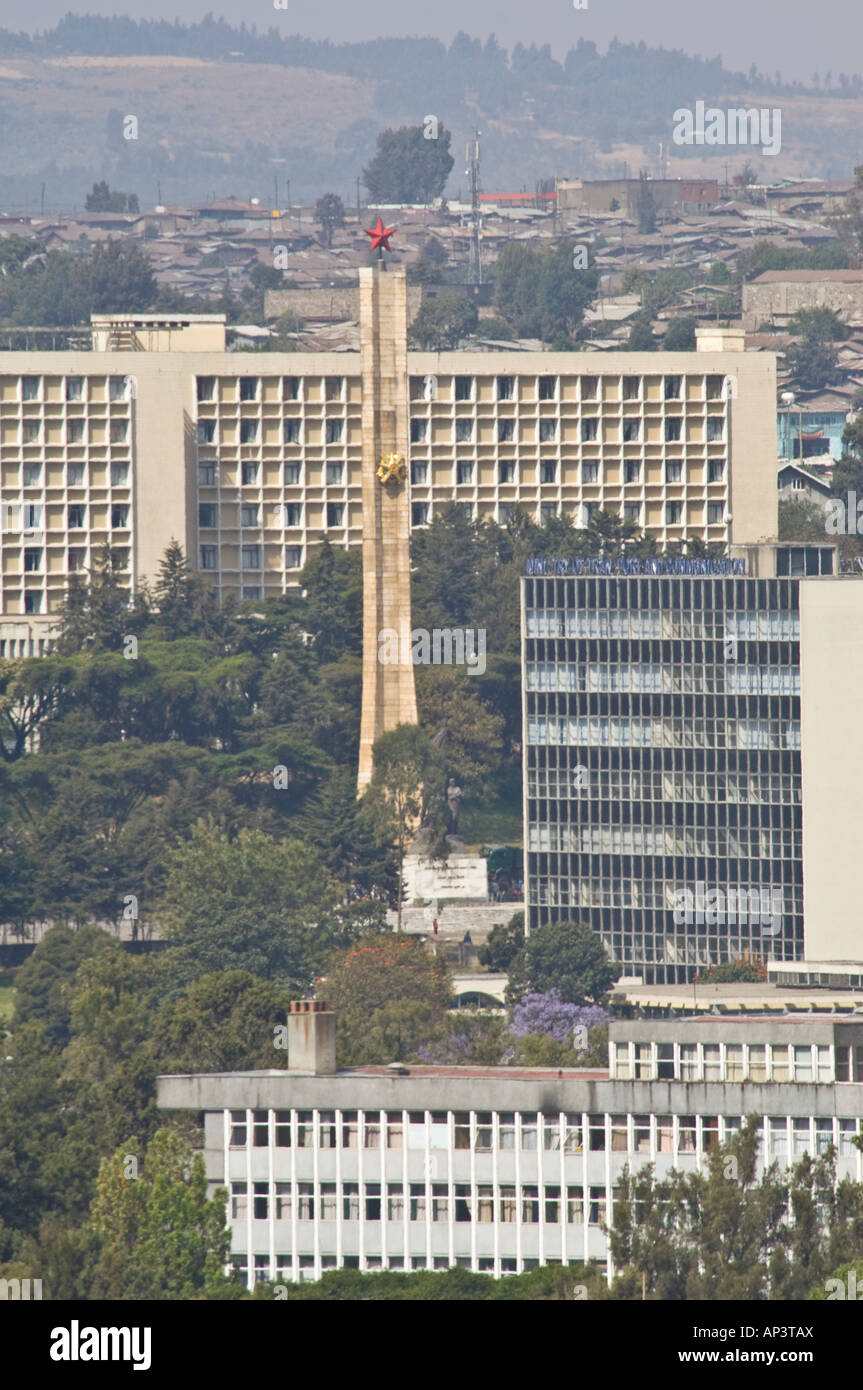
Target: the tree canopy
pixel 565 956
pixel 101 198
pixel 540 292
pixel 408 167
pixel 57 289
pixel 390 998
pixel 444 322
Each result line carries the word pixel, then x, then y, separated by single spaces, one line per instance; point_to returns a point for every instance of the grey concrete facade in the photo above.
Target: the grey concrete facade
pixel 500 1170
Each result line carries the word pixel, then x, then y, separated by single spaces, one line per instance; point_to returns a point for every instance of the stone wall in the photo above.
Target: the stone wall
pixel 338 305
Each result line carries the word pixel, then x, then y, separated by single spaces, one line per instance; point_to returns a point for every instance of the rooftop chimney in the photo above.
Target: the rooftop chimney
pixel 311 1037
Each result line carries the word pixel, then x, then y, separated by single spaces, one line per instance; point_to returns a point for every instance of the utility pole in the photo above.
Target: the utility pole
pixel 476 226
pixel 359 214
pixel 42 204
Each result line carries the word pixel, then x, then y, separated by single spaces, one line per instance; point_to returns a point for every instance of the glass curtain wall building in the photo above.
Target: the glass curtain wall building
pixel 663 767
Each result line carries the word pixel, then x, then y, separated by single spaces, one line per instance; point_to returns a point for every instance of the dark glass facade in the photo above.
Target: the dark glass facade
pixel 662 766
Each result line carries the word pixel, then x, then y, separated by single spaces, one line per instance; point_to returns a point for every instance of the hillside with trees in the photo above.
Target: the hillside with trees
pixel 340 98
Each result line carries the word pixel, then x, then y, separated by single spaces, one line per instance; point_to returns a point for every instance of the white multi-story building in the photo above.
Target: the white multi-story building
pixel 501 1169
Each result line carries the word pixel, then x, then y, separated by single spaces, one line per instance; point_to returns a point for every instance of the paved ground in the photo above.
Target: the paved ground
pixel 454 919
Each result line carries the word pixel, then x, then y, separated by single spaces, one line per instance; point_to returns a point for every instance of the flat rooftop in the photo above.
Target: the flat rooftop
pixel 420 1071
pixel 753 1000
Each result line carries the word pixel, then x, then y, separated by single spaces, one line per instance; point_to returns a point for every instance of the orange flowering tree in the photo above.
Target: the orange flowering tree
pixel 391 997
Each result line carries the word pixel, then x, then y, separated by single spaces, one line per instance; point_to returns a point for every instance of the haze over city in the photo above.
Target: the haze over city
pixel 796 37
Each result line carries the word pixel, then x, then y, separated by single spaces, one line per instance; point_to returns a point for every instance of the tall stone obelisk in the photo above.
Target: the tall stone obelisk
pixel 389 693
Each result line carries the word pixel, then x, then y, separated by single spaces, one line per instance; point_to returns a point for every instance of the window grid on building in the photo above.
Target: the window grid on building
pixel 493 1191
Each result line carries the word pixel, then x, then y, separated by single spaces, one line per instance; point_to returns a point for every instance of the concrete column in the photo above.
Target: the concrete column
pixel 389 695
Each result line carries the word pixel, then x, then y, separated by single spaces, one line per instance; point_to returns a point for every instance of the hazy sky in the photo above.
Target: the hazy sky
pixel 797 37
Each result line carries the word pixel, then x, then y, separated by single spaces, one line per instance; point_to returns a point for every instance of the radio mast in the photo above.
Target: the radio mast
pixel 472 157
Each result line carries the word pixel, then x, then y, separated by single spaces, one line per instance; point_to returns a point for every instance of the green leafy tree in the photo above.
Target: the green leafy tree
pixel 391 997
pixel 333 582
pixel 800 519
pixel 609 535
pixel 101 198
pixel 847 475
pixel 732 973
pixel 730 1232
pixel 547 1284
pixel 408 168
pixel 29 694
pixel 766 255
pixel 100 612
pixel 680 336
pixel 180 596
pixel 843 1283
pixel 812 361
pixel 658 288
pixel 16 251
pixel 251 903
pixel 44 980
pixel 287 326
pixel 498 330
pixel 566 956
pixel 428 268
pixel 443 322
pixel 406 790
pixel 329 215
pixel 466 730
pixel 543 1050
pixel 539 292
pixel 641 338
pixel 224 1022
pixel 445 558
pixel 820 322
pixel 118 278
pixel 503 944
pixel 159 1235
pixel 350 840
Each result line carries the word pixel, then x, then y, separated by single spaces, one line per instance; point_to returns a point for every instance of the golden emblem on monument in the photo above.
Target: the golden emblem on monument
pixel 391 468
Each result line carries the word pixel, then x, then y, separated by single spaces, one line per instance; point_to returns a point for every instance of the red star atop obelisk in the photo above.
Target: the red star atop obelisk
pixel 380 236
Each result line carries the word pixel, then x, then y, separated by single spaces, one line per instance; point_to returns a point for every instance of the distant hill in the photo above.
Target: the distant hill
pixel 225 109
